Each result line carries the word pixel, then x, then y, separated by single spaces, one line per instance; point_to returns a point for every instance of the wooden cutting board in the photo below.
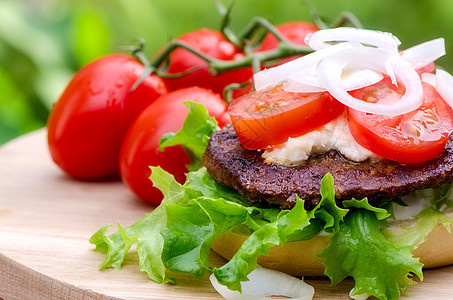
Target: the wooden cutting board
pixel 46 219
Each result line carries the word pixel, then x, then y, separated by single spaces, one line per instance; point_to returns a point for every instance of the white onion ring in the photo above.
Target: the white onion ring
pixel 330 70
pixel 429 78
pixel 276 75
pixel 358 297
pixel 384 40
pixel 352 79
pixel 309 83
pixel 323 69
pixel 444 85
pixel 266 282
pixel 424 53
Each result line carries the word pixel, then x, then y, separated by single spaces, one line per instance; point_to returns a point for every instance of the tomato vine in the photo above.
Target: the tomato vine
pixel 248 39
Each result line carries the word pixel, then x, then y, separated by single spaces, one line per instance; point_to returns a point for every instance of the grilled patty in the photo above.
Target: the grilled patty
pixel 257 181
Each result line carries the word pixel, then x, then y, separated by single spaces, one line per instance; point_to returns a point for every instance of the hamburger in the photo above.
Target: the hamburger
pixel 233 166
pixel 337 210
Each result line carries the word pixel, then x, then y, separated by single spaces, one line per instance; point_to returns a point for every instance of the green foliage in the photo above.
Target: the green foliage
pixel 16 116
pixel 42 43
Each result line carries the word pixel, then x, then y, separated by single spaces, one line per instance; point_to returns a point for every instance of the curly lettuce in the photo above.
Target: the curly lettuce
pixel 359 250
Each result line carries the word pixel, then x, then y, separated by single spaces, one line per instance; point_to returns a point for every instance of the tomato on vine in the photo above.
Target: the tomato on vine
pixel 295 32
pixel 141 144
pixel 87 124
pixel 196 70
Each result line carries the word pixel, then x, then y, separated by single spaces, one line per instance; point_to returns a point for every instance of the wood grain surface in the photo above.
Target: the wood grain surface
pixel 46 219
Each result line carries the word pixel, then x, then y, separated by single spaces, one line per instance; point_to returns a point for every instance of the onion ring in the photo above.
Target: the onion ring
pixel 352 79
pixel 422 54
pixel 319 40
pixel 444 85
pixel 266 282
pixel 330 71
pixel 276 75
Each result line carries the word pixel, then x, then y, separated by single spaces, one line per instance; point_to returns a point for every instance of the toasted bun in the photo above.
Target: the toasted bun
pixel 299 258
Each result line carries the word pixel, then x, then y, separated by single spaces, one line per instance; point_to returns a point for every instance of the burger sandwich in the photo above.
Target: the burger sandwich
pixel 339 164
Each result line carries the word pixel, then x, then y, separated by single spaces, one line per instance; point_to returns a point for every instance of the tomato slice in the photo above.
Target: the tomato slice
pixel 429 68
pixel 267 118
pixel 415 137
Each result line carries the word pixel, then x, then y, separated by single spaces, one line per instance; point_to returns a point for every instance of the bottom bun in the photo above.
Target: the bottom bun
pixel 299 258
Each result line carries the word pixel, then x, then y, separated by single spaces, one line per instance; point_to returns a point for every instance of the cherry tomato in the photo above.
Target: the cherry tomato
pixel 87 124
pixel 294 32
pixel 267 118
pixel 414 137
pixel 141 144
pixel 215 45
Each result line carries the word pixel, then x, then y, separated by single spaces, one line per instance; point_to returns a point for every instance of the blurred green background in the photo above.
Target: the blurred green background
pixel 44 42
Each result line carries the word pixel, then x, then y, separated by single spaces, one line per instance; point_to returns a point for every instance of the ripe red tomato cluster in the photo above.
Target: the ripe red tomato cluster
pixel 101 129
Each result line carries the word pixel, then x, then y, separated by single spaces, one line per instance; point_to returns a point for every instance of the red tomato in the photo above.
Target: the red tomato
pixel 215 45
pixel 267 118
pixel 414 137
pixel 141 144
pixel 87 125
pixel 429 68
pixel 294 32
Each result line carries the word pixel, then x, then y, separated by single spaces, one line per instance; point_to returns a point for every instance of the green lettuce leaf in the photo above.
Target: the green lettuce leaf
pixel 425 222
pixel 146 232
pixel 440 197
pixel 258 243
pixel 427 219
pixel 191 230
pixel 194 134
pixel 309 232
pixel 208 187
pixel 177 236
pixel 381 213
pixel 296 222
pixel 380 268
pixel 98 240
pixel 327 209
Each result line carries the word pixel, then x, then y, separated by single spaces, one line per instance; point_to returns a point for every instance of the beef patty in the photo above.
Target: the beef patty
pixel 257 181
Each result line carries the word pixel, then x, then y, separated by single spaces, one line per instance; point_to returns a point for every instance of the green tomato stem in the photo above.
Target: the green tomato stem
pixel 346 19
pixel 255 24
pixel 217 66
pixel 225 14
pixel 137 52
pixel 247 40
